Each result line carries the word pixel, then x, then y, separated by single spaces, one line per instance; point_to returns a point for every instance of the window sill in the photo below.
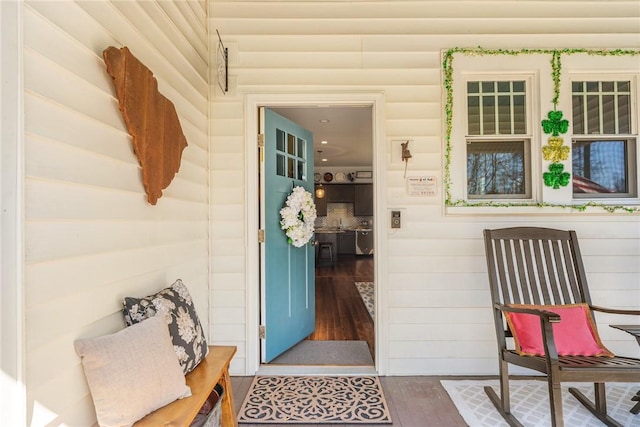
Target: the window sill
pixel 515 208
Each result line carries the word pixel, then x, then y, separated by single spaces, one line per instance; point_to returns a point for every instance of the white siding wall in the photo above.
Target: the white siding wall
pixel 91 236
pixel 435 292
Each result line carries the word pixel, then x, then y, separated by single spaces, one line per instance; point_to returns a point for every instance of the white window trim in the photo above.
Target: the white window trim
pixel 530 154
pixel 613 75
pixel 533 69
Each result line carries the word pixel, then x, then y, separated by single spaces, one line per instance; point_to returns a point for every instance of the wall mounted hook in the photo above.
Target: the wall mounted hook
pixel 406 155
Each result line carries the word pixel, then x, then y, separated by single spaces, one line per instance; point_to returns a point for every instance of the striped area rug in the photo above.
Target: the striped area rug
pixel 315 400
pixel 530 403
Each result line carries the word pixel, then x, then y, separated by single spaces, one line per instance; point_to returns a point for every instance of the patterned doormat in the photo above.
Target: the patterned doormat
pixel 315 399
pixel 530 403
pixel 367 294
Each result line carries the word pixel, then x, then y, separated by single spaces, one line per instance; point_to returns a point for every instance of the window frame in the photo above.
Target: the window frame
pixel 480 69
pixel 631 138
pixel 526 137
pixel 527 170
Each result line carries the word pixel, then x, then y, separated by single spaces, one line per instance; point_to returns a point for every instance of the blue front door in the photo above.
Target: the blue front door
pixel 288 272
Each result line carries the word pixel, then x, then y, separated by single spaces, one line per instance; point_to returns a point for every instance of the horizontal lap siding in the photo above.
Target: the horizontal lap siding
pixel 436 302
pixel 91 237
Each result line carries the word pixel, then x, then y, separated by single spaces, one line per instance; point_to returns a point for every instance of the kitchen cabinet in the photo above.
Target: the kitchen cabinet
pixel 321 204
pixel 363 200
pixel 339 193
pixel 361 195
pixel 347 243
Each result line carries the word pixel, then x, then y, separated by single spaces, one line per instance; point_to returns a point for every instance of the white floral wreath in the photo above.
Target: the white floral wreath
pixel 298 217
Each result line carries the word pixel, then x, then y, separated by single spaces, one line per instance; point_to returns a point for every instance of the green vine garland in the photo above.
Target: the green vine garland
pixel 555 125
pixel 556 71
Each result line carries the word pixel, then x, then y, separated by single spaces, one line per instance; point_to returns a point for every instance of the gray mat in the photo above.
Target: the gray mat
pixel 310 352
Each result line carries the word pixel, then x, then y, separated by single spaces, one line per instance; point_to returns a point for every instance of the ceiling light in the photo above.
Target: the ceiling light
pixel 323 142
pixel 324 160
pixel 324 120
pixel 320 192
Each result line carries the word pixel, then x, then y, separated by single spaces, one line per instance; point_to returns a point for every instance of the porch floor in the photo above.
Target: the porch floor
pixel 414 401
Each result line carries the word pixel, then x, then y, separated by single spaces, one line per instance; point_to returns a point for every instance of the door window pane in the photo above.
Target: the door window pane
pixel 291 145
pixel 280 139
pixel 291 155
pixel 281 167
pixel 291 165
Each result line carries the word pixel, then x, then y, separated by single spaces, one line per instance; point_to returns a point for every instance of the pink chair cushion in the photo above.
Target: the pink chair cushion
pixel 575 334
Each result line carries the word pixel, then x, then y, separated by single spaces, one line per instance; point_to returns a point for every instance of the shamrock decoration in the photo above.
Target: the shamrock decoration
pixel 555 124
pixel 555 151
pixel 556 177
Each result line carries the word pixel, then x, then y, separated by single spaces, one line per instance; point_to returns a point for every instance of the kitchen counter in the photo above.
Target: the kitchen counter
pixel 329 230
pixel 332 230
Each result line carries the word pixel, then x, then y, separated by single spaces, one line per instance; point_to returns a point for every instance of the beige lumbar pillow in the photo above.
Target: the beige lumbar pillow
pixel 132 372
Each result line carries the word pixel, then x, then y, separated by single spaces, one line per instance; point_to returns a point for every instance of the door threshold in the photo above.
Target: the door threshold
pixel 316 370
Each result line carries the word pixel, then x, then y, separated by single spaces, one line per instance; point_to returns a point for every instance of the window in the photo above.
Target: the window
pixel 603 149
pixel 498 147
pixel 291 155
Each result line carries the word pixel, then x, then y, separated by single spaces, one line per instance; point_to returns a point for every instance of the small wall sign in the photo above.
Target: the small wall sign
pixel 422 186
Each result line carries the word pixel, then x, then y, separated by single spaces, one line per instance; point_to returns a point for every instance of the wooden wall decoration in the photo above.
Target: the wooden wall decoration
pixel 151 119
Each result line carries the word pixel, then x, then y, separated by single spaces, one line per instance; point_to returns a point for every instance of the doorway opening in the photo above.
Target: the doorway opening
pixel 348 268
pixel 345 260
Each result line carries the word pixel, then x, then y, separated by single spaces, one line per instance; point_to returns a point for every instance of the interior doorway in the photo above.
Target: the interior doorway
pixel 375 104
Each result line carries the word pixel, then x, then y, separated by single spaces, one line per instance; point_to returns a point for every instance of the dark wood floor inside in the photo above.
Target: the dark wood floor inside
pixel 340 311
pixel 412 402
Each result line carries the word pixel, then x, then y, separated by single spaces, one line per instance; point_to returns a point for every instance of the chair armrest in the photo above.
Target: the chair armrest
pixel 546 319
pixel 615 310
pixel 544 314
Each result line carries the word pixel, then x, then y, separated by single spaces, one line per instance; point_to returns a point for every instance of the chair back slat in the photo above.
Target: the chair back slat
pixel 557 280
pixel 530 265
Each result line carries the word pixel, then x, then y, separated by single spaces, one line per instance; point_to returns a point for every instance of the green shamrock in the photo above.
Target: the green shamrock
pixel 555 124
pixel 556 177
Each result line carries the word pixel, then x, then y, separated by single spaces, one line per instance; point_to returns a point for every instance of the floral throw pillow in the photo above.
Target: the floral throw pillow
pixel 175 304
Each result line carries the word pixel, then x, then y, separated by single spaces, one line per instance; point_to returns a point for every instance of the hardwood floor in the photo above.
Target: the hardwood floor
pixel 412 401
pixel 340 311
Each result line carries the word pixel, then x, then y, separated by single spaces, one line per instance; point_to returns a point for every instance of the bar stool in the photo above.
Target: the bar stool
pixel 325 253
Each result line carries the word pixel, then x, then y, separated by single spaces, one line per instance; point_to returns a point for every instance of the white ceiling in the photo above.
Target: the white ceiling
pixel 348 132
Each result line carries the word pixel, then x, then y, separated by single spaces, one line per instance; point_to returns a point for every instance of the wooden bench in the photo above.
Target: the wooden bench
pixel 212 370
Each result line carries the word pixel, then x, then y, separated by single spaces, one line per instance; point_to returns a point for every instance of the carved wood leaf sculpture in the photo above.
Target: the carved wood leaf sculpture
pixel 151 119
